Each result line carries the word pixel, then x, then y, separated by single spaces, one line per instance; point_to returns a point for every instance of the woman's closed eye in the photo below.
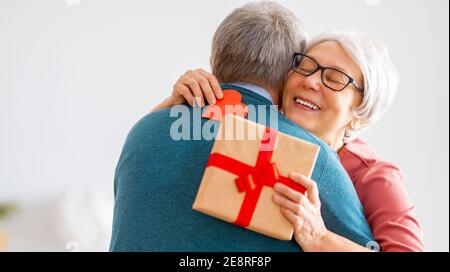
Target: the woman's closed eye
pixel 336 77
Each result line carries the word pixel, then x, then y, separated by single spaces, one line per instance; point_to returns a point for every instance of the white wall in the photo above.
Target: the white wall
pixel 75 75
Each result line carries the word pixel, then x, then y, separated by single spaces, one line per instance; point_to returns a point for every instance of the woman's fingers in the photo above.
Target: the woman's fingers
pixel 184 91
pixel 287 192
pixel 302 211
pixel 309 184
pixel 292 217
pixel 179 91
pixel 205 87
pixel 196 86
pixel 294 212
pixel 286 203
pixel 213 82
pixel 192 83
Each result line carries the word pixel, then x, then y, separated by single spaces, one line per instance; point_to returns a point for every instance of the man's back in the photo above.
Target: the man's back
pixel 157 179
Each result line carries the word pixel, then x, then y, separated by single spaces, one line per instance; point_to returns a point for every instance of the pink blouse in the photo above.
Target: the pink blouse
pixel 388 209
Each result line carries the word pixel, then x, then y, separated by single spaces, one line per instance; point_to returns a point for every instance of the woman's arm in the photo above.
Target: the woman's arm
pixel 389 210
pixel 193 87
pixel 304 214
pixel 333 242
pixel 166 103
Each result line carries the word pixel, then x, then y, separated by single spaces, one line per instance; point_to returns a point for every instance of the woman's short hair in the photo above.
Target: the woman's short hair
pixel 255 43
pixel 379 73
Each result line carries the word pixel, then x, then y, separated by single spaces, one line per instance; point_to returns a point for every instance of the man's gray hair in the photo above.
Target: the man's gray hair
pixel 255 44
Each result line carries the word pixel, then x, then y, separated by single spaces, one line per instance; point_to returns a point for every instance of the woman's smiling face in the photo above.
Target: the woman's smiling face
pixel 327 113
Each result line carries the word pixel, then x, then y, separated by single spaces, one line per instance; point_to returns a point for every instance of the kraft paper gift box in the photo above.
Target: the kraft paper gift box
pixel 245 162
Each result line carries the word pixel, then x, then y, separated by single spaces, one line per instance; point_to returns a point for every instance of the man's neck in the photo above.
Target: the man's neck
pixel 266 92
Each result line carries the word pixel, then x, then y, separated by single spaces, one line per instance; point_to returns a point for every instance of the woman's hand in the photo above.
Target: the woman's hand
pixel 197 84
pixel 303 212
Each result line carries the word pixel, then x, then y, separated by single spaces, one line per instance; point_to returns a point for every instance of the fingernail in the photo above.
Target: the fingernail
pixel 213 101
pixel 274 197
pixel 299 175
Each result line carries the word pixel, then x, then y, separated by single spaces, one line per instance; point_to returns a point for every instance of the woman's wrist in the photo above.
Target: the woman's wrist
pixel 319 244
pixel 170 101
pixel 166 103
pixel 332 242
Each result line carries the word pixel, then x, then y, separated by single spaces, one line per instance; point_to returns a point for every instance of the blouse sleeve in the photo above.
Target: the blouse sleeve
pixel 388 208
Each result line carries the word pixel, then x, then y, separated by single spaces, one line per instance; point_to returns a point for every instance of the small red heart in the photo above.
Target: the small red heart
pixel 233 100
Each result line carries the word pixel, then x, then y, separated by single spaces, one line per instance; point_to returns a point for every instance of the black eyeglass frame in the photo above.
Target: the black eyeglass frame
pixel 322 69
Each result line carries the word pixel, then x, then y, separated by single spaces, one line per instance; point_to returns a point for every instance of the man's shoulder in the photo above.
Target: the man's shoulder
pixel 151 120
pixel 155 126
pixel 167 132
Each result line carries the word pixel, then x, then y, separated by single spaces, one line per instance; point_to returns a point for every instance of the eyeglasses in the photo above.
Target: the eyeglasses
pixel 333 78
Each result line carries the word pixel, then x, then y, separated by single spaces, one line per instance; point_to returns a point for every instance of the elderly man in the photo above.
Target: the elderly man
pixel 157 177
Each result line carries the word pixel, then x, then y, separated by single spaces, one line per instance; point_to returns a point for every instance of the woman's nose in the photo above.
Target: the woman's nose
pixel 313 81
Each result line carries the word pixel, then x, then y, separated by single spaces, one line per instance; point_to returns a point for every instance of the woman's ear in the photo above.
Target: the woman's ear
pixel 354 125
pixel 357 124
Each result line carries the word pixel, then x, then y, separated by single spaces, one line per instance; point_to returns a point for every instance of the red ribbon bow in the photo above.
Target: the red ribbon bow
pixel 251 179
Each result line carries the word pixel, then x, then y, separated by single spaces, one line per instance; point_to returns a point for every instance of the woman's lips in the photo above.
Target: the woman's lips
pixel 305 108
pixel 306 105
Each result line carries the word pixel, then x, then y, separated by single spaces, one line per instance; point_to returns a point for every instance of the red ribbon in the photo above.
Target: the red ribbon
pixel 251 179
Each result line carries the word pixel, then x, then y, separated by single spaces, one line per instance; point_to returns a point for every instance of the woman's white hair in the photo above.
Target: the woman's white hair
pixel 379 74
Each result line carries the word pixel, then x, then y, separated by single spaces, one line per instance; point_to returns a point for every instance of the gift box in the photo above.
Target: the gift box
pixel 247 159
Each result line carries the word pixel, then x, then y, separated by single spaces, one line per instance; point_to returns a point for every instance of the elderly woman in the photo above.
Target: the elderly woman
pixel 341 83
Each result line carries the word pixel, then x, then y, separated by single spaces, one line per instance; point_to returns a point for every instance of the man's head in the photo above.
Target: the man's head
pixel 255 44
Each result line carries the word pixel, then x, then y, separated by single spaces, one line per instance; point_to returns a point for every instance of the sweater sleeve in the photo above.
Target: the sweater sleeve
pixel 388 208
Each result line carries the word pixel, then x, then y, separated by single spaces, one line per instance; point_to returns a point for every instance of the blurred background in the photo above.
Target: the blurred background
pixel 75 75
